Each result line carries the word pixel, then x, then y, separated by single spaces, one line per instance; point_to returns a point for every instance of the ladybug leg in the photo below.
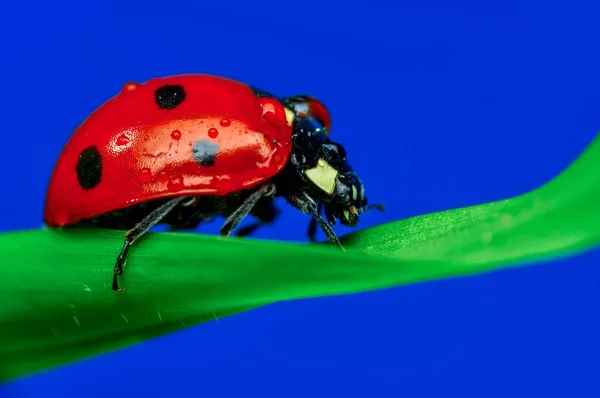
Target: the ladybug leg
pixel 266 212
pixel 312 227
pixel 140 229
pixel 307 205
pixel 246 208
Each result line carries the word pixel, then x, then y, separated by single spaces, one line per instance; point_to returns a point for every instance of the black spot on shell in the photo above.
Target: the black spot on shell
pixel 89 168
pixel 261 93
pixel 205 152
pixel 169 96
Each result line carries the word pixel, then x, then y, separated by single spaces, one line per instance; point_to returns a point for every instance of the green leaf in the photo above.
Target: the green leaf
pixel 58 307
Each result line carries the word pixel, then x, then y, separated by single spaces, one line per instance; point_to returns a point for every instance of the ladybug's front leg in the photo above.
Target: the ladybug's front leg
pixel 140 229
pixel 307 205
pixel 312 227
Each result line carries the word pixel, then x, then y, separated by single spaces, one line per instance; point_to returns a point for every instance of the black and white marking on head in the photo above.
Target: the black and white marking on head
pixel 169 96
pixel 205 152
pixel 89 168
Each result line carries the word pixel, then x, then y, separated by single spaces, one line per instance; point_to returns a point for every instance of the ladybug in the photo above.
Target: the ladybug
pixel 182 149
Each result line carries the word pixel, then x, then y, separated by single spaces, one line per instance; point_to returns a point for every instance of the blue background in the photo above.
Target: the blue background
pixel 438 105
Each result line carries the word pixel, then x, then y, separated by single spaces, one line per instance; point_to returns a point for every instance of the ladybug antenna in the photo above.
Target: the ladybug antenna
pixel 376 206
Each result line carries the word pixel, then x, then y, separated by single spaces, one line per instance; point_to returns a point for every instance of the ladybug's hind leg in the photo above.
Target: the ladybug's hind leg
pixel 246 208
pixel 140 229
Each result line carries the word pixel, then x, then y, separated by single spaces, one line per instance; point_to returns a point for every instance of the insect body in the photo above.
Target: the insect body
pixel 179 149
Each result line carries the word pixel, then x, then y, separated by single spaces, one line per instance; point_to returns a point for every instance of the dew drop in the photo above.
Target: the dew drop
pixel 146 138
pixel 145 175
pixel 162 177
pixel 129 87
pixel 176 134
pixel 175 184
pixel 225 122
pixel 266 108
pixel 122 140
pixel 271 110
pixel 213 132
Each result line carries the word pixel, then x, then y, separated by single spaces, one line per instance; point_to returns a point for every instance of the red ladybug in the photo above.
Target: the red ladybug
pixel 180 149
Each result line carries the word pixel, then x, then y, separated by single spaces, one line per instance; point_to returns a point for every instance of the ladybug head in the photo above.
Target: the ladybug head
pixel 326 174
pixel 347 200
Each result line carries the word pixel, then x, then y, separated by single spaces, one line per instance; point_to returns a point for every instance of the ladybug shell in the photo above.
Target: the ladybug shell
pixel 173 136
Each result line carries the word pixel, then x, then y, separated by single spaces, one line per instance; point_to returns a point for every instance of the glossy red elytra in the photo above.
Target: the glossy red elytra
pixel 192 147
